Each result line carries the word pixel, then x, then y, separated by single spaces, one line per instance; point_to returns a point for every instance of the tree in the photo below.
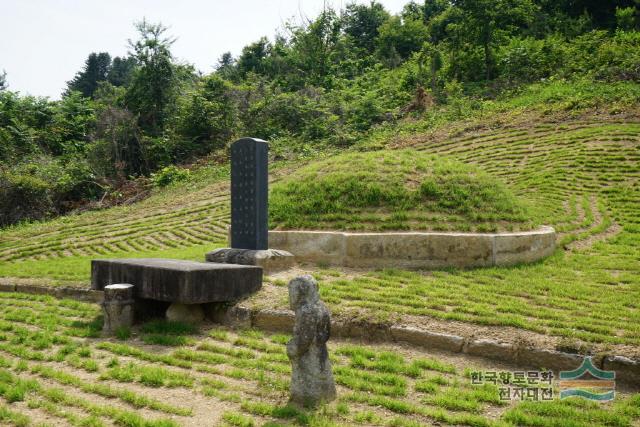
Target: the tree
pixel 313 47
pixel 487 20
pixel 209 118
pixel 153 87
pixel 226 66
pixel 361 23
pixel 602 12
pixel 96 69
pixel 3 80
pixel 121 71
pixel 72 122
pixel 253 56
pixel 433 8
pixel 399 38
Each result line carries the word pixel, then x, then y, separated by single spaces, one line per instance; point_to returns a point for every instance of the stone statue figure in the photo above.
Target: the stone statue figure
pixel 311 378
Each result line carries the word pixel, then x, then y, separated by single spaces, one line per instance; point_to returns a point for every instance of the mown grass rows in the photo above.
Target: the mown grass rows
pixel 583 179
pixel 561 160
pixel 157 224
pixel 44 363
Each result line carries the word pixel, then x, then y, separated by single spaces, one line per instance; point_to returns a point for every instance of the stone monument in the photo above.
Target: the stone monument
pixel 249 210
pixel 311 377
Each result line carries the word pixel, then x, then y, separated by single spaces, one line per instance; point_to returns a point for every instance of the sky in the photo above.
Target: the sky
pixel 43 43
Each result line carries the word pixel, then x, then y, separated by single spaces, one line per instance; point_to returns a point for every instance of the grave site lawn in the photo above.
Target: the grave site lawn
pixel 577 171
pixel 55 370
pixel 578 174
pixel 582 177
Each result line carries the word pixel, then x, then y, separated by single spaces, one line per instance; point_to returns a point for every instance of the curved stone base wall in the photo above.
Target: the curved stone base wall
pixel 416 250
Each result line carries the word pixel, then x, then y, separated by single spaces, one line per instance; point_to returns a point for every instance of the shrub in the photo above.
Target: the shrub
pixel 169 175
pixel 529 59
pixel 24 197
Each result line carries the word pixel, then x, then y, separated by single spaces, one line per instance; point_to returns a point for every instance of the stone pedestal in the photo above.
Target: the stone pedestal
pixel 117 307
pixel 271 260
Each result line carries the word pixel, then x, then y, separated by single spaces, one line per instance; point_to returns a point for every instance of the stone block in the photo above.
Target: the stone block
pixel 360 330
pixel 234 316
pixel 79 294
pixel 270 260
pixel 7 287
pixel 311 246
pixel 627 370
pixel 274 320
pixel 490 349
pixel 36 289
pixel 416 250
pixel 549 359
pixel 427 339
pixel 118 307
pixel 186 282
pixel 514 248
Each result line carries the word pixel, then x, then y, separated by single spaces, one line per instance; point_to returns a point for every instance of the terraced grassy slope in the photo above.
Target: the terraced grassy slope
pixel 173 219
pixel 583 176
pixel 579 173
pixel 55 371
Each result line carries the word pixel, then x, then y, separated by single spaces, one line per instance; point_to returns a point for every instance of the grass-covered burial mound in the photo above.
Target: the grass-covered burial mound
pixel 394 190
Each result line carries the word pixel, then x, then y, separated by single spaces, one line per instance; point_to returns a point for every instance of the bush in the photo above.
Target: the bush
pixel 23 197
pixel 529 59
pixel 169 175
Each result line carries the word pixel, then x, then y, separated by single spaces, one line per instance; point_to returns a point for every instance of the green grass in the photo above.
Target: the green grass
pixel 248 373
pixel 581 176
pixel 402 189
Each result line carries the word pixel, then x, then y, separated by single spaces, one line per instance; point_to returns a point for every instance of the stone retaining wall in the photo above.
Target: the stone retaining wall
pixel 416 250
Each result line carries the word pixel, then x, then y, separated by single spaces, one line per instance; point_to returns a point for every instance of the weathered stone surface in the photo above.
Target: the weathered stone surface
pixel 36 289
pixel 528 246
pixel 311 377
pixel 409 249
pixel 549 359
pixel 249 192
pixel 117 307
pixel 422 338
pixel 274 320
pixel 187 282
pixel 359 329
pixel 421 250
pixel 234 316
pixel 271 260
pixel 490 349
pixel 80 294
pixel 185 313
pixel 627 370
pixel 7 287
pixel 311 246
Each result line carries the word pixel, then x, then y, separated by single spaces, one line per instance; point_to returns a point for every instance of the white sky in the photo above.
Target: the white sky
pixel 43 43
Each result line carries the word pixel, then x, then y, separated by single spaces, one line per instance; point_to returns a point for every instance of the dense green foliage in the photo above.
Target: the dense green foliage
pixel 392 190
pixel 327 82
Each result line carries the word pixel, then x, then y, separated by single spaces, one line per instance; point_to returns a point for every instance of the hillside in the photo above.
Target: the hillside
pixel 576 169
